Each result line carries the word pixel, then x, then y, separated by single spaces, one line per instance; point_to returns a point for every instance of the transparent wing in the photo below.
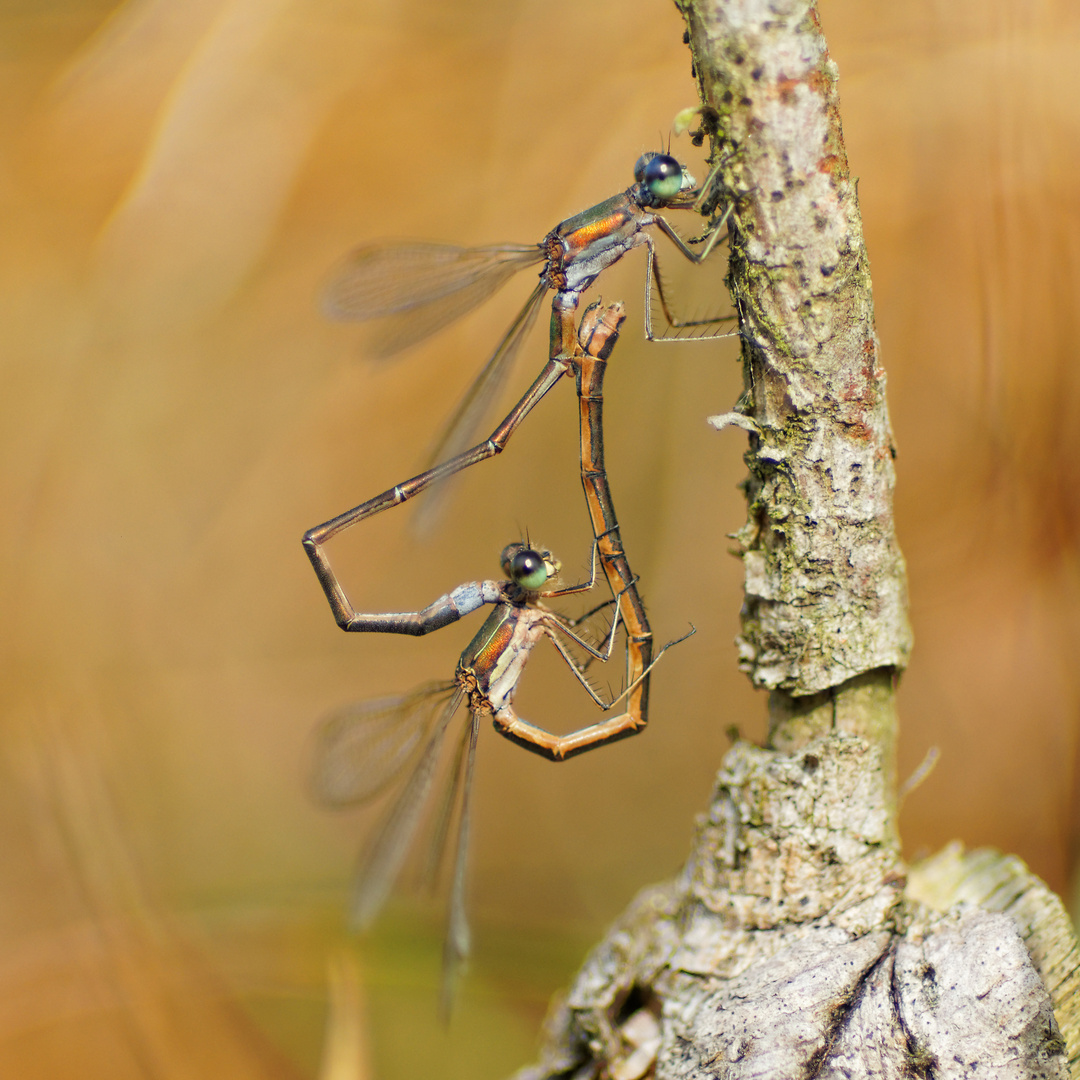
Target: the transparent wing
pixel 382 861
pixel 460 433
pixel 418 287
pixel 457 945
pixel 444 816
pixel 362 747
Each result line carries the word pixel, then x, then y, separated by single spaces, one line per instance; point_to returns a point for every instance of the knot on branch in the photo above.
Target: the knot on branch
pixel 788 947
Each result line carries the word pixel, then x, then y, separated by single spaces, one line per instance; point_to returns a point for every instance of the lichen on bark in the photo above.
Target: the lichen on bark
pixel 824 577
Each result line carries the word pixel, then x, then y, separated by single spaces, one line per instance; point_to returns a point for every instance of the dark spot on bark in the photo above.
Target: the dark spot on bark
pixel 820 221
pixel 803 901
pixel 709 119
pixel 757 73
pixel 810 765
pixel 921 1063
pixel 693 70
pixel 697 139
pixel 1053 1043
pixel 728 97
pixel 777 196
pixel 738 58
pixel 827 271
pixel 637 997
pixel 686 37
pixel 745 101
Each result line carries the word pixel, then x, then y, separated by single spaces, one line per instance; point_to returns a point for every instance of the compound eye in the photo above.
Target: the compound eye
pixel 527 569
pixel 662 175
pixel 641 165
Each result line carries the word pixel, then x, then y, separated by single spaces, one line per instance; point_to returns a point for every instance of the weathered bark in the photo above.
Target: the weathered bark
pixel 735 970
pixel 825 587
pixel 794 943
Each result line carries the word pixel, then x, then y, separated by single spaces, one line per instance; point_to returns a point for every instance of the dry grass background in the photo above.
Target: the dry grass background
pixel 176 179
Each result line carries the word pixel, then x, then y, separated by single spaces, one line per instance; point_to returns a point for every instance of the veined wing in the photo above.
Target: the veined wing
pixel 457 946
pixel 419 287
pixel 454 804
pixel 461 431
pixel 362 747
pixel 382 861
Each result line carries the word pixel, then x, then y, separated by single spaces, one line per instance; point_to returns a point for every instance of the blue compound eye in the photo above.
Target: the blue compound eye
pixel 661 174
pixel 528 569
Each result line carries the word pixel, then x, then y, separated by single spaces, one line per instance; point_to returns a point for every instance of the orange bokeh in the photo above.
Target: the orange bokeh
pixel 177 180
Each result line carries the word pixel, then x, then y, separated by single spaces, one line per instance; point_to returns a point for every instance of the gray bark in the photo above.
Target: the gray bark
pixel 795 943
pixel 792 945
pixel 826 596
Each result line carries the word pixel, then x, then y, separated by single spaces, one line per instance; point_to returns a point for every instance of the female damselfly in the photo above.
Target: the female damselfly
pixel 363 748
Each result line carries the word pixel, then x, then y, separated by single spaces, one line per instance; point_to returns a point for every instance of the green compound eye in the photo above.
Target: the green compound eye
pixel 527 569
pixel 662 175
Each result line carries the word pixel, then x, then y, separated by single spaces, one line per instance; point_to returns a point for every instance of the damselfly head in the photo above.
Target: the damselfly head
pixel 662 176
pixel 528 567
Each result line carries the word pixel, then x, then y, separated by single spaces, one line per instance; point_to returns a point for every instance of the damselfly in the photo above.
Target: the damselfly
pixel 364 747
pixel 599 331
pixel 418 288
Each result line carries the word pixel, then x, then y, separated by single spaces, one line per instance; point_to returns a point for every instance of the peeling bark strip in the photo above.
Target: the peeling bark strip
pixel 826 595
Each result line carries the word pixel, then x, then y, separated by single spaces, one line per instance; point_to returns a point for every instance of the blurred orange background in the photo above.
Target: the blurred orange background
pixel 177 180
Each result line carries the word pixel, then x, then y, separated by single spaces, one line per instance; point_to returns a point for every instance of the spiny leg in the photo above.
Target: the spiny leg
pixel 581 586
pixel 652 275
pixel 559 747
pixel 553 626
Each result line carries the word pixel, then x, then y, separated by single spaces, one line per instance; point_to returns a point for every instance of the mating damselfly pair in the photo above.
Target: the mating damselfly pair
pixel 415 289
